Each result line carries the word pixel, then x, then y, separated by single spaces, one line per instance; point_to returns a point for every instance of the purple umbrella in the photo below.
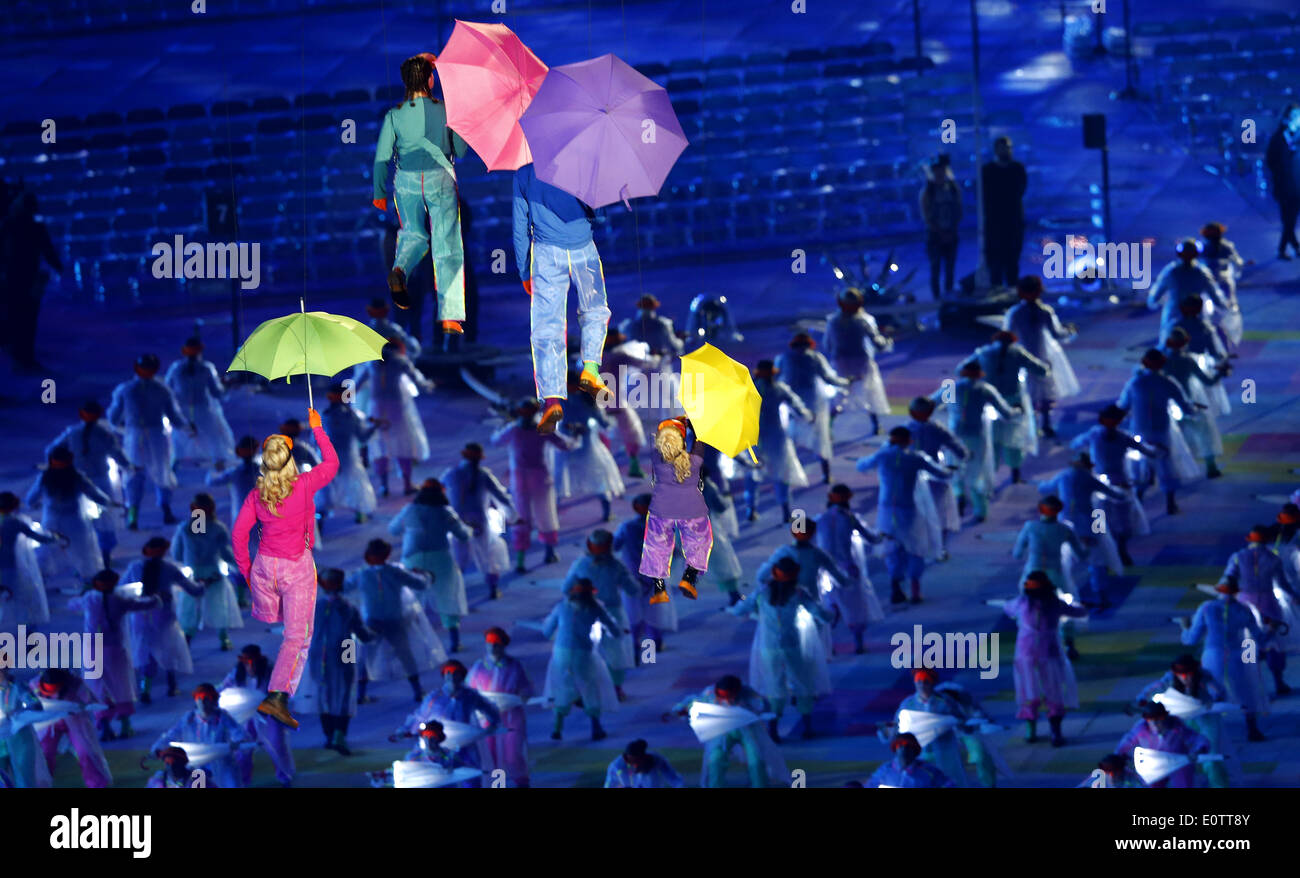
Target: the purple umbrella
pixel 602 132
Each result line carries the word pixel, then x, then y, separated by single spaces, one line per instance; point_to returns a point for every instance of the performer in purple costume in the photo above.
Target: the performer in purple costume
pixel 676 507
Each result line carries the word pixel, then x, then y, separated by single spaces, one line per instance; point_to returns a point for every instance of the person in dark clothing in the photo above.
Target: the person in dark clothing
pixel 1283 161
pixel 1004 214
pixel 25 242
pixel 941 211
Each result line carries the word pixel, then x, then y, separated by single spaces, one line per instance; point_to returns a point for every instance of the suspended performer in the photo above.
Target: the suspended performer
pixel 415 133
pixel 677 508
pixel 283 576
pixel 553 248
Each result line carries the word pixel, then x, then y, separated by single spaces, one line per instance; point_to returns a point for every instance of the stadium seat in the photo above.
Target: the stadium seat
pixel 105 119
pixel 145 116
pixel 181 112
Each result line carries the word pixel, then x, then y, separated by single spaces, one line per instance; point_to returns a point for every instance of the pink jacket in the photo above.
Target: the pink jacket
pixel 293 531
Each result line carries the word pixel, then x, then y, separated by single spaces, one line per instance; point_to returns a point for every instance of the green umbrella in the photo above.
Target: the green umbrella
pixel 307 343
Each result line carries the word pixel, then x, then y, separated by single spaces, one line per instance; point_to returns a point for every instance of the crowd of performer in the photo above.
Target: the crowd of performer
pixel 396 612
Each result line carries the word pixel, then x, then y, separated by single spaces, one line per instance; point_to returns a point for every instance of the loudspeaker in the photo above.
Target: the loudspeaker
pixel 1094 130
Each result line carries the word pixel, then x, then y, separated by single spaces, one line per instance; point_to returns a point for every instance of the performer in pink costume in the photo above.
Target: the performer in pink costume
pixel 499 673
pixel 57 684
pixel 532 481
pixel 283 576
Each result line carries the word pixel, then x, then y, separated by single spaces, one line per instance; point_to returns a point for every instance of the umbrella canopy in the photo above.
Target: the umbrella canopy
pixel 925 726
pixel 307 343
pixel 602 132
pixel 710 721
pixel 489 77
pixel 423 775
pixel 721 400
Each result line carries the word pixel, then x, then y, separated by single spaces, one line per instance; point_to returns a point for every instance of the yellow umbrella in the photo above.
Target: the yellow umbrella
pixel 721 400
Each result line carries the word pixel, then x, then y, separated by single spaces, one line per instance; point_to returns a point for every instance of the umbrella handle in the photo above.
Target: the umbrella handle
pixel 306 373
pixel 751 454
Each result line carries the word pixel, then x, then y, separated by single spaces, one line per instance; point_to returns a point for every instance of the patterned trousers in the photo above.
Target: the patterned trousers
pixel 697 541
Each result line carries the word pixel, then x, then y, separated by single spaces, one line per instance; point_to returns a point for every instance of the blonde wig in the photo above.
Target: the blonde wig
pixel 279 472
pixel 672 446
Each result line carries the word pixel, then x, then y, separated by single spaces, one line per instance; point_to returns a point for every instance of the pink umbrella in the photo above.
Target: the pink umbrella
pixel 489 78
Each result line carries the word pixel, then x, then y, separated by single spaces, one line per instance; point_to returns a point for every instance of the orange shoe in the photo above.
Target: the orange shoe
pixel 550 417
pixel 591 383
pixel 660 595
pixel 452 327
pixel 687 585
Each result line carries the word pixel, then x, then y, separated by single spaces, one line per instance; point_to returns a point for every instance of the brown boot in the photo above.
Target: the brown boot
pixel 276 706
pixel 550 417
pixel 397 286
